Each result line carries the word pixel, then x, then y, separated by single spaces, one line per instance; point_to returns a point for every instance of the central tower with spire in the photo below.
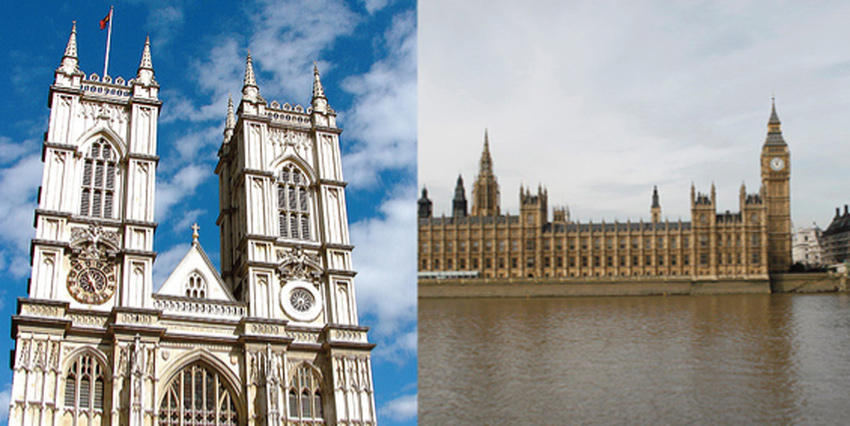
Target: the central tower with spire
pixel 485 190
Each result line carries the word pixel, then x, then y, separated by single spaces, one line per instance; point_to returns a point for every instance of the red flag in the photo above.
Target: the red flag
pixel 105 21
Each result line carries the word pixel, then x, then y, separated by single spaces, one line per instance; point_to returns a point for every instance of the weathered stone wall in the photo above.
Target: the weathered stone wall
pixel 819 282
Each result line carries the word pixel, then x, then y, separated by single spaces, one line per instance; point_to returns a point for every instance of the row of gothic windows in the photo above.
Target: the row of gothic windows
pixel 197 395
pixel 195 286
pixel 98 187
pixel 293 203
pixel 98 192
pixel 305 395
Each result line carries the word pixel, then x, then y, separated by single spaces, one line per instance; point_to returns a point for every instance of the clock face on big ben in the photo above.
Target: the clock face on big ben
pixel 777 164
pixel 91 281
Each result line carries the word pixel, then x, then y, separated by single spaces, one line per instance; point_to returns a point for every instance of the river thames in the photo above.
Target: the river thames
pixel 742 359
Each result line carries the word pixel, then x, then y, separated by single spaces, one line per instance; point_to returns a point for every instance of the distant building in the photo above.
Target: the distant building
pixel 806 247
pixel 750 243
pixel 836 238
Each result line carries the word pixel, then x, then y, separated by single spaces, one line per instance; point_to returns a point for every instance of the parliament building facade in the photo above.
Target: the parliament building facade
pixel 751 243
pixel 273 339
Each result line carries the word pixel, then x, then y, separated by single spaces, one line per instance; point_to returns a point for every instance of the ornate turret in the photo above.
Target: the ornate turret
pixel 230 121
pixel 424 205
pixel 774 127
pixel 70 64
pixel 250 90
pixel 320 103
pixel 655 210
pixel 459 201
pixel 145 73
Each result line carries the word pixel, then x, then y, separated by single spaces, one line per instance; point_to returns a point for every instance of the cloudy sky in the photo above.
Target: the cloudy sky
pixel 599 101
pixel 366 51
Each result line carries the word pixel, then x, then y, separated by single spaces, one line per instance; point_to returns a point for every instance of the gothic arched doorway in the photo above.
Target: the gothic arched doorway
pixel 198 396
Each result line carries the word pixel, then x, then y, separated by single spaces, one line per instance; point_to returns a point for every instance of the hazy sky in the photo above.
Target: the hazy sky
pixel 599 101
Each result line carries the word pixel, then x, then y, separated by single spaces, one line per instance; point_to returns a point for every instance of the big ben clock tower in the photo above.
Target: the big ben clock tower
pixel 775 178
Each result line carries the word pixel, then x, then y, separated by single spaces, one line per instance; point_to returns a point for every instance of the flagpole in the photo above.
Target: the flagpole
pixel 108 41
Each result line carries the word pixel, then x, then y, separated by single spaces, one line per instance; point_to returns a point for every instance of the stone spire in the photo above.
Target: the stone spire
pixel 230 122
pixel 485 190
pixel 145 72
pixel 70 64
pixel 250 91
pixel 774 127
pixel 318 90
pixel 486 160
pixel 320 103
pixel 459 201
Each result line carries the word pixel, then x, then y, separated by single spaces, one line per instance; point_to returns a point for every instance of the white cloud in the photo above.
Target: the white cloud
pixel 166 262
pixel 398 347
pixel 18 190
pixel 11 151
pixel 164 22
pixel 600 106
pixel 401 409
pixel 382 120
pixel 179 187
pixel 373 6
pixel 385 258
pixel 189 218
pixel 288 36
pixel 5 400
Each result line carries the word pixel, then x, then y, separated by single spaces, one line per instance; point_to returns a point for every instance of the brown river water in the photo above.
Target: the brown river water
pixel 743 359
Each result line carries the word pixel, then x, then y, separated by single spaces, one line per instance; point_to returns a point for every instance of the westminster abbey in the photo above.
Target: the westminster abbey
pixel 272 339
pixel 750 243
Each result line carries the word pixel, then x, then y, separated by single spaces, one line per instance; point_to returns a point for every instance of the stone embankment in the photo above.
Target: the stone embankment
pixel 645 286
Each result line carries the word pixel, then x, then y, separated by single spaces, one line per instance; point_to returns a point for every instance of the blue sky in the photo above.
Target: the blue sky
pixel 366 51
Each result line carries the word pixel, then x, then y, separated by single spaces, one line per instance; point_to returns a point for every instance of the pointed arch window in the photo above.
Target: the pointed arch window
pixel 197 396
pixel 293 203
pixel 100 168
pixel 195 286
pixel 305 395
pixel 84 389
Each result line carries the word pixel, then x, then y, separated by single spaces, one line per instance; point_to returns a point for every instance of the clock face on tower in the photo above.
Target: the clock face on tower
pixel 300 300
pixel 777 164
pixel 91 281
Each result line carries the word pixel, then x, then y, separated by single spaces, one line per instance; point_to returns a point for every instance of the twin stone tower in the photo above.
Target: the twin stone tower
pixel 271 340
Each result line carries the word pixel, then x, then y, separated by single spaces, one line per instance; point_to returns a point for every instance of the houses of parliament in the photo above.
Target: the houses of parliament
pixel 751 243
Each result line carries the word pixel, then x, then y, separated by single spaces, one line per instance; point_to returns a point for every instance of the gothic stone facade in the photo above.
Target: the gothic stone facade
pixel 750 243
pixel 273 340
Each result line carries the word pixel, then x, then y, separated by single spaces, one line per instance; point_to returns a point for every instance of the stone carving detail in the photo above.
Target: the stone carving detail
pixel 112 114
pixel 43 310
pixel 24 354
pixel 136 318
pixel 202 307
pixel 264 328
pixel 94 242
pixel 303 336
pixel 54 355
pixel 348 335
pixel 295 264
pixel 40 355
pixel 88 320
